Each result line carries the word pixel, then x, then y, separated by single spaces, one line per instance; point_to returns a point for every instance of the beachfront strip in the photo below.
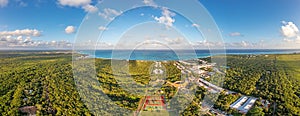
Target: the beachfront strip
pixel 199 68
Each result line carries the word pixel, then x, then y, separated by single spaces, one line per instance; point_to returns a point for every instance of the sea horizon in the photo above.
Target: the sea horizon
pixel 165 55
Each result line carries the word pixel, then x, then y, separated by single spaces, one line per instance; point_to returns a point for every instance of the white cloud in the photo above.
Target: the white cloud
pixel 104 45
pixel 90 44
pixel 74 3
pixel 20 38
pixel 27 40
pixel 152 44
pixel 90 8
pixel 287 40
pixel 166 17
pixel 102 28
pixel 245 44
pixel 292 41
pixel 206 44
pixel 195 25
pixel 149 2
pixel 24 32
pixel 3 3
pixel 84 4
pixel 289 29
pixel 297 40
pixel 70 29
pixel 236 45
pixel 175 41
pixel 28 43
pixel 21 3
pixel 235 34
pixel 290 32
pixel 109 13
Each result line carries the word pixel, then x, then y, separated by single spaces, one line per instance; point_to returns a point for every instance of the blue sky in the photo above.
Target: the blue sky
pixel 55 23
pixel 255 19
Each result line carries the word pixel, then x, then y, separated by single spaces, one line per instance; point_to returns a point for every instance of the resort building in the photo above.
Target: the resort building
pixel 243 104
pixel 239 102
pixel 247 106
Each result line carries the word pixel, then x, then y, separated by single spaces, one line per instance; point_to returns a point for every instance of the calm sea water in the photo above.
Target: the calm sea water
pixel 179 54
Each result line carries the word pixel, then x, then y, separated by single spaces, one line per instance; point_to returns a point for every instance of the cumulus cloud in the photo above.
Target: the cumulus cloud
pixel 109 13
pixel 84 4
pixel 70 29
pixel 102 28
pixel 235 34
pixel 166 18
pixel 290 32
pixel 289 29
pixel 24 32
pixel 3 3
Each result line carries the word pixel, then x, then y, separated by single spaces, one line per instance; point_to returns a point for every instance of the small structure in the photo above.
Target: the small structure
pixel 158 71
pixel 265 103
pixel 30 110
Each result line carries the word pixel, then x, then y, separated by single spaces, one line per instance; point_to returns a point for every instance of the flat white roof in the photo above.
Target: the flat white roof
pixel 239 102
pixel 246 107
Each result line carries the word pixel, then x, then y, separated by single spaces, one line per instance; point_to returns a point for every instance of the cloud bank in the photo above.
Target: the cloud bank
pixel 22 39
pixel 24 32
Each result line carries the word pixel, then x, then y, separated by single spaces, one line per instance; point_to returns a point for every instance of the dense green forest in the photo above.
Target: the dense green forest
pixel 45 80
pixel 272 77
